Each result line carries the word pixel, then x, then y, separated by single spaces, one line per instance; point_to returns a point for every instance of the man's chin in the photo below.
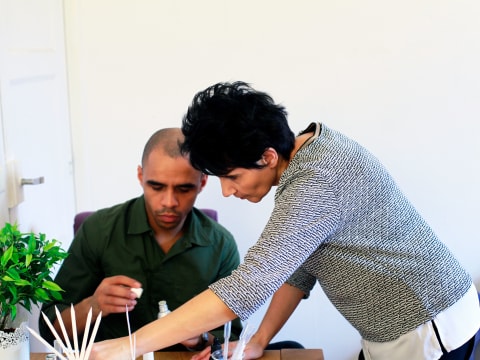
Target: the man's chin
pixel 167 225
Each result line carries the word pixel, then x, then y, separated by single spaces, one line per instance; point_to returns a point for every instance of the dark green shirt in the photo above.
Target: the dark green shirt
pixel 119 241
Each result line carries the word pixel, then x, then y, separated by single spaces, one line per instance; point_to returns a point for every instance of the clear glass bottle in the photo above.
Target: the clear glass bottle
pixel 216 350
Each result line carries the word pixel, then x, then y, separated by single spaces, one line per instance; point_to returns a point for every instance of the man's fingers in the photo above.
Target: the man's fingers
pixel 111 309
pixel 123 280
pixel 110 297
pixel 202 355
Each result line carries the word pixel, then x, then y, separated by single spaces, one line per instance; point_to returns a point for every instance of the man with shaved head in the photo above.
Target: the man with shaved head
pixel 158 242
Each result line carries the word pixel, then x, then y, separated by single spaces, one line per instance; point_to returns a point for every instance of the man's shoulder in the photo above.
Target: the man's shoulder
pixel 121 207
pixel 110 216
pixel 209 227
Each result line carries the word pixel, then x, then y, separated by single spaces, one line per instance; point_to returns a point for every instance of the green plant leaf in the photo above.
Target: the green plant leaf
pixel 56 295
pixel 22 282
pixel 13 312
pixel 7 255
pixel 49 245
pixel 13 291
pixel 32 243
pixel 50 285
pixel 13 274
pixel 27 304
pixel 26 263
pixel 28 259
pixel 41 294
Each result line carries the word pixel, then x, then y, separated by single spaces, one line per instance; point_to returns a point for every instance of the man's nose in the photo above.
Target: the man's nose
pixel 169 199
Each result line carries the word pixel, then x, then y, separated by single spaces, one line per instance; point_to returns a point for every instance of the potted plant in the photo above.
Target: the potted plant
pixel 26 265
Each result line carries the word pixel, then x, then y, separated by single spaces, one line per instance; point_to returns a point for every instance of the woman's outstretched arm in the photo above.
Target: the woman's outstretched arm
pixel 202 313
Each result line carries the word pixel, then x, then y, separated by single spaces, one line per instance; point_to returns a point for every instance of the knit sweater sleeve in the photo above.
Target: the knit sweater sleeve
pixel 299 224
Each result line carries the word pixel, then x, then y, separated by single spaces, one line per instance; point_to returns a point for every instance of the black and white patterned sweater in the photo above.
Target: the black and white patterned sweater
pixel 339 218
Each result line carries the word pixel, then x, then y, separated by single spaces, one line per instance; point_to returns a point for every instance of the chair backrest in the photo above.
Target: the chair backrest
pixel 211 213
pixel 81 216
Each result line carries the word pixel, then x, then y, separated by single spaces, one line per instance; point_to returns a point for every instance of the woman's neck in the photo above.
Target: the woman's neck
pixel 299 142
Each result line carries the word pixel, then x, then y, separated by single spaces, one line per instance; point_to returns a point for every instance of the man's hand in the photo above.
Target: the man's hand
pixel 196 343
pixel 113 294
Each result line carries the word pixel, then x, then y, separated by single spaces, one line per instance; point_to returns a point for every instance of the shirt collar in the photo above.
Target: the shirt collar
pixel 138 222
pixel 197 225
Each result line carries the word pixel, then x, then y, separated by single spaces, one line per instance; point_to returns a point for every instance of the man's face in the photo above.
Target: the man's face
pixel 170 186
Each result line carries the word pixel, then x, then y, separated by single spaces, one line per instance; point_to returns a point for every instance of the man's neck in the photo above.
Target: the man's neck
pixel 166 238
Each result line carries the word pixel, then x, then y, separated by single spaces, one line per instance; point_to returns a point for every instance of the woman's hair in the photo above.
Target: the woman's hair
pixel 230 125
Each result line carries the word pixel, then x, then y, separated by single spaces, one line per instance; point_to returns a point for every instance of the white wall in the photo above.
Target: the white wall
pixel 400 77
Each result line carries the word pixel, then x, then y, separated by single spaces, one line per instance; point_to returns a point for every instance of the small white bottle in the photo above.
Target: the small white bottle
pixel 148 356
pixel 162 309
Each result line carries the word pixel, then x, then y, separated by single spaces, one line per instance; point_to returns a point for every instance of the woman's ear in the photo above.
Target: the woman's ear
pixel 269 157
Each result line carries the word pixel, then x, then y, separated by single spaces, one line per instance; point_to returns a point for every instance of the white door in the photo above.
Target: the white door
pixel 35 121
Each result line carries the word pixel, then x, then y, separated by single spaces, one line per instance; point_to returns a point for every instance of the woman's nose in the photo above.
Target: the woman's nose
pixel 227 189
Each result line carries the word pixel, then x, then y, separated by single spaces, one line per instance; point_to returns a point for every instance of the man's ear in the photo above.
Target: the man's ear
pixel 203 181
pixel 140 174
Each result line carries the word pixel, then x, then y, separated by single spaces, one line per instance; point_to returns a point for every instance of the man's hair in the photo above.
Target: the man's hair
pixel 230 125
pixel 168 139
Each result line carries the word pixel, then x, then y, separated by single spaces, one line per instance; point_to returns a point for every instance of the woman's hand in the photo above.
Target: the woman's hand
pixel 202 355
pixel 252 351
pixel 206 353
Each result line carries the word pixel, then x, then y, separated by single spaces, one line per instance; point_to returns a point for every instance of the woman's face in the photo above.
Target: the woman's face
pixel 254 184
pixel 248 184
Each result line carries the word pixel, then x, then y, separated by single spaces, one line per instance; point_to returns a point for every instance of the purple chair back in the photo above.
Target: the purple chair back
pixel 211 213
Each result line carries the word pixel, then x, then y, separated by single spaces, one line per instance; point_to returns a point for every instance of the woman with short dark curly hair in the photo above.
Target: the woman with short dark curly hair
pixel 339 219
